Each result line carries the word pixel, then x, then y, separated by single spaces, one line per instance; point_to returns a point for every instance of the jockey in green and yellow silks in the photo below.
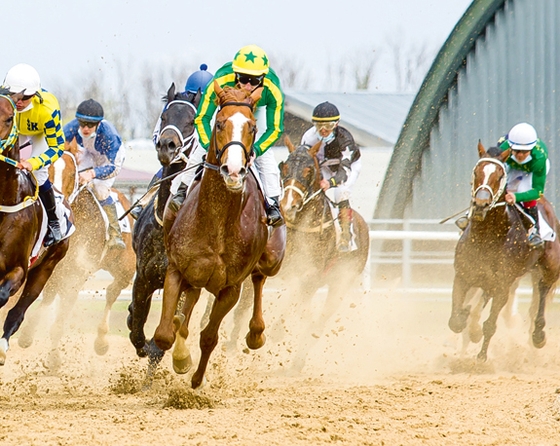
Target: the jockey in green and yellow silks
pixel 249 70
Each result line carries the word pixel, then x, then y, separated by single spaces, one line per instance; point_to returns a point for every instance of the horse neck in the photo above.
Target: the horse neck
pixel 12 180
pixel 496 223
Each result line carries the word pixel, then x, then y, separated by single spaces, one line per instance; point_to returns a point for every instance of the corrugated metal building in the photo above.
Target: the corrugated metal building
pixel 499 66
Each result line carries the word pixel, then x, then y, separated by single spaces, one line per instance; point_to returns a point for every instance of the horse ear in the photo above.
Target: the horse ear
pixel 289 144
pixel 481 149
pixel 505 155
pixel 315 149
pixel 219 91
pixel 171 92
pixel 256 95
pixel 196 99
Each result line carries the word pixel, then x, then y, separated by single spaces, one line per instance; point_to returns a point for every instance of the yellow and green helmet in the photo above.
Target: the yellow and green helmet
pixel 251 60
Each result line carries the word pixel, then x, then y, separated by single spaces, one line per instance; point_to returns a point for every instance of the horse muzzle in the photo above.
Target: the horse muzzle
pixel 167 150
pixel 234 180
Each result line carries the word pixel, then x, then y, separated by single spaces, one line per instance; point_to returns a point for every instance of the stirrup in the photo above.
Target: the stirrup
pixel 534 240
pixel 274 217
pixel 54 234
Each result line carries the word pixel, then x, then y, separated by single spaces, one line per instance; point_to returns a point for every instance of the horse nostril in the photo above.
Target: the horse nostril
pixel 224 170
pixel 242 172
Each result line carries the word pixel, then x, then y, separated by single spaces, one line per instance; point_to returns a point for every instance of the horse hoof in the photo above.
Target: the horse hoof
pixel 154 353
pixel 25 341
pixel 482 357
pixel 475 336
pixel 198 381
pixel 3 351
pixel 101 346
pixel 457 324
pixel 182 366
pixel 255 342
pixel 539 339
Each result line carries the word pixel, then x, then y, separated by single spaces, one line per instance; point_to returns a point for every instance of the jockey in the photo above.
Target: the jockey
pixel 38 123
pixel 527 166
pixel 339 158
pixel 196 83
pixel 249 70
pixel 100 160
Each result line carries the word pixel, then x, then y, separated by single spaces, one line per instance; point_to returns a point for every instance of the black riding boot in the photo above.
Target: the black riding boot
pixel 54 234
pixel 115 236
pixel 178 198
pixel 533 238
pixel 273 214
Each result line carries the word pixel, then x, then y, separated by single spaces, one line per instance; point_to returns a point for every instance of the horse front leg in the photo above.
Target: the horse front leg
pixel 138 310
pixel 182 361
pixel 224 302
pixel 489 327
pixel 256 338
pixel 101 345
pixel 459 314
pixel 241 309
pixel 164 335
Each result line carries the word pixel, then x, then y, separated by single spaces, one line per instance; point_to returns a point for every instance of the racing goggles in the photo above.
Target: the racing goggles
pixel 329 125
pixel 248 79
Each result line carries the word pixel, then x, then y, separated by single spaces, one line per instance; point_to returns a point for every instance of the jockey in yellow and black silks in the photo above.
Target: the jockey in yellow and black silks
pixel 39 124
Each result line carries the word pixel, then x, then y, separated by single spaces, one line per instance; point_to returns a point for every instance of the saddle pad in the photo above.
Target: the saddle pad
pixel 546 232
pixel 124 223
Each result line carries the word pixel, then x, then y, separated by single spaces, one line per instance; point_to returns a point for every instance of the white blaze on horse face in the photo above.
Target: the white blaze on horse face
pixel 488 170
pixel 235 152
pixel 290 196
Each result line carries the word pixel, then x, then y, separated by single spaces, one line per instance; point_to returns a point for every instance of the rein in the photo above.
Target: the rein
pixel 306 199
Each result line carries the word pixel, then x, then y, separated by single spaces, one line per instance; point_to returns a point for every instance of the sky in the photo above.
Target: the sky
pixel 70 38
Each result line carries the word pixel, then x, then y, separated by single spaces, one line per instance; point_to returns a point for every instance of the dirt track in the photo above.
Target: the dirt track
pixel 384 371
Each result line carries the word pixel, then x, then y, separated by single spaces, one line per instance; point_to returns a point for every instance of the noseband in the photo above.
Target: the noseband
pixel 503 181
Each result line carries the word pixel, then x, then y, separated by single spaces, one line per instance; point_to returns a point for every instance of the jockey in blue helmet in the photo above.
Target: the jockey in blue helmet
pixel 198 80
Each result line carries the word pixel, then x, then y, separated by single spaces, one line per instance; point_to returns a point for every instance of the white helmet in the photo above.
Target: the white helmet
pixel 22 78
pixel 522 137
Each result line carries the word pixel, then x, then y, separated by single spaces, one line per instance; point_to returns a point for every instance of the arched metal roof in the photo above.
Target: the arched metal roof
pixel 415 136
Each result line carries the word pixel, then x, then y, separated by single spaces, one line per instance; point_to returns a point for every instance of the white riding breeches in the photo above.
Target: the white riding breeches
pixel 38 146
pixel 91 158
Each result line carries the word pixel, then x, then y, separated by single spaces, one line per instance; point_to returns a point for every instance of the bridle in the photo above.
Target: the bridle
pixel 494 196
pixel 187 142
pixel 220 151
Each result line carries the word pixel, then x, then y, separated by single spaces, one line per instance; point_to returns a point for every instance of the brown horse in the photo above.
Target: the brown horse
pixel 219 237
pixel 21 219
pixel 86 256
pixel 493 253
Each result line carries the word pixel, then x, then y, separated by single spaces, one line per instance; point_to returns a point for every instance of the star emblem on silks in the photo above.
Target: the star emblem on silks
pixel 265 61
pixel 250 57
pixel 347 154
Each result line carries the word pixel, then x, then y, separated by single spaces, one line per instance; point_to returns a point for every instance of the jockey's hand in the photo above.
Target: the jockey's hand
pixel 324 184
pixel 510 198
pixel 86 176
pixel 25 165
pixel 252 159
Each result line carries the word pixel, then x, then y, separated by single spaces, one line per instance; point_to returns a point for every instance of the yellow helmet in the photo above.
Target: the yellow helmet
pixel 252 60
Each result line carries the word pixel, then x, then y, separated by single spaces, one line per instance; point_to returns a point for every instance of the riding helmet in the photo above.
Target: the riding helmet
pixel 324 112
pixel 90 111
pixel 251 60
pixel 198 80
pixel 22 78
pixel 522 136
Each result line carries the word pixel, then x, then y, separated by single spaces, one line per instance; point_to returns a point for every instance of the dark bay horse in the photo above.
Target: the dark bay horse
pixel 21 220
pixel 174 145
pixel 493 253
pixel 219 237
pixel 312 258
pixel 87 255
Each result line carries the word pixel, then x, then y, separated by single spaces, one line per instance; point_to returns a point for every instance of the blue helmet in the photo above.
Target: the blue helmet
pixel 198 80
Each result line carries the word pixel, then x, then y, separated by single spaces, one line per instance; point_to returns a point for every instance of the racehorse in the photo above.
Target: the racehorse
pixel 87 255
pixel 493 253
pixel 24 262
pixel 312 258
pixel 173 147
pixel 219 237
